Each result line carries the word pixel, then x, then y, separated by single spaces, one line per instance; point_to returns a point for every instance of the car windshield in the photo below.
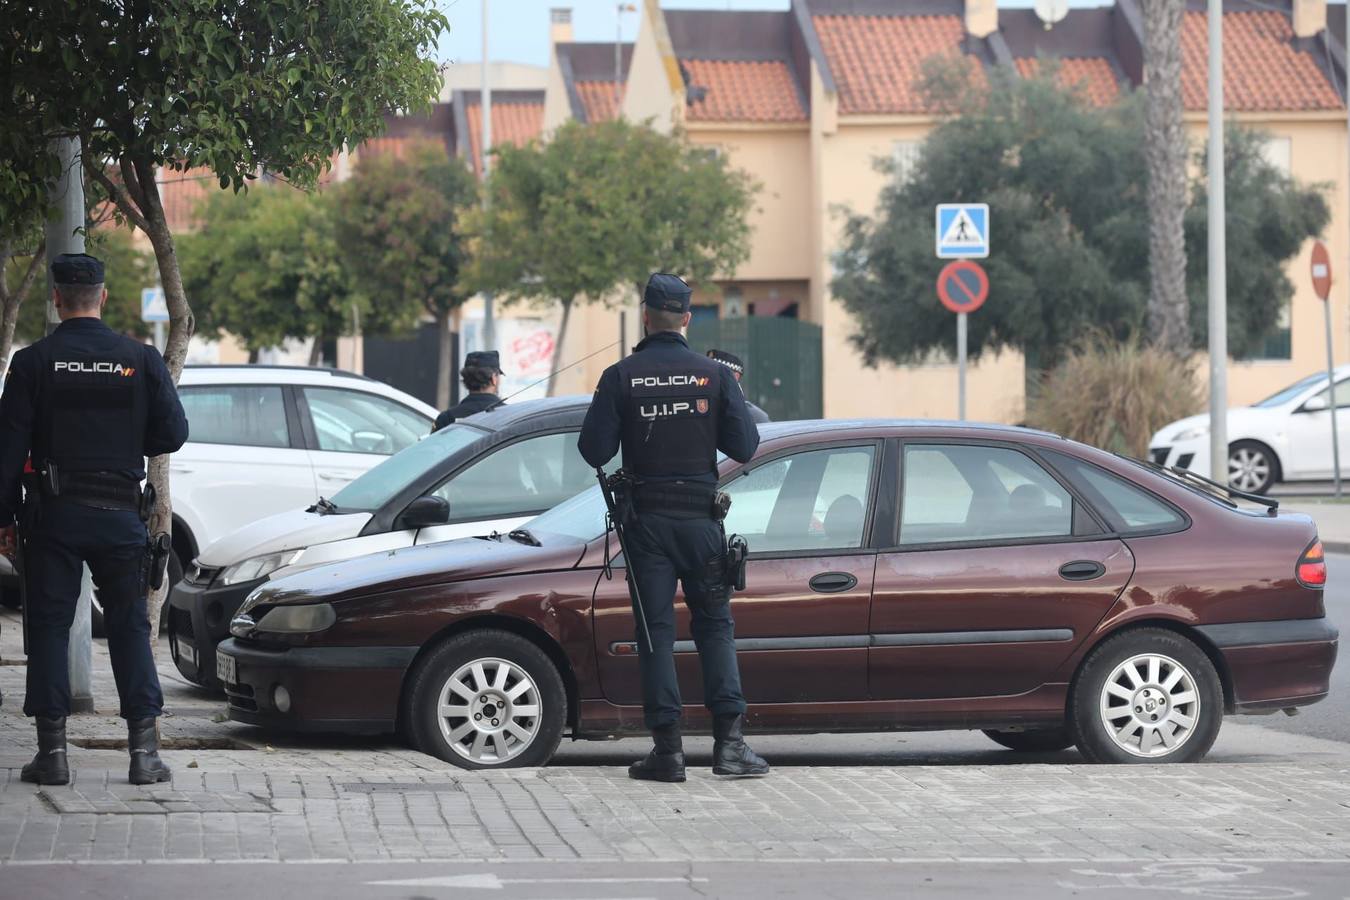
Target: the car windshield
pixel 379 485
pixel 581 517
pixel 1282 397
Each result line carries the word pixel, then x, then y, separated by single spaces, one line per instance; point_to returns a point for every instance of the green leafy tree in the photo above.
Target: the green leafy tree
pixel 398 225
pixel 21 259
pixel 235 86
pixel 1066 184
pixel 602 206
pixel 264 266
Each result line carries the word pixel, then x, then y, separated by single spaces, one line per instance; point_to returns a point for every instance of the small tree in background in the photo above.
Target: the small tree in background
pixel 398 224
pixel 234 86
pixel 602 206
pixel 1066 185
pixel 264 266
pixel 21 260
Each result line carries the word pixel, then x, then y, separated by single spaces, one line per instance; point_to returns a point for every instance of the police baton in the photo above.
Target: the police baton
pixel 616 520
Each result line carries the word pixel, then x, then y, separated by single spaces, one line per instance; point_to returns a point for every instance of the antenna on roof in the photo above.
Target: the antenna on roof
pixel 1052 11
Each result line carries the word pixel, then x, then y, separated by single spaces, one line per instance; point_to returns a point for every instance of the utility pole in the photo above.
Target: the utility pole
pixel 1218 273
pixel 489 319
pixel 65 234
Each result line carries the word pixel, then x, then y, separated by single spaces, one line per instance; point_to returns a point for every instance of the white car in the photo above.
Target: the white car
pixel 1285 437
pixel 492 471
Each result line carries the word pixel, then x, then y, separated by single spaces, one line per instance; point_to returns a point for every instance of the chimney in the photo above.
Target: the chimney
pixel 982 17
pixel 560 25
pixel 1310 17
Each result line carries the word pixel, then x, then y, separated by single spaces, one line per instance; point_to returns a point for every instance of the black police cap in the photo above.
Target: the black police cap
pixel 667 292
pixel 484 359
pixel 730 360
pixel 77 268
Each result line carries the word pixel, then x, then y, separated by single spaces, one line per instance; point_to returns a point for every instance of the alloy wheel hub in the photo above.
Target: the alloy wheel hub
pixel 488 711
pixel 1150 705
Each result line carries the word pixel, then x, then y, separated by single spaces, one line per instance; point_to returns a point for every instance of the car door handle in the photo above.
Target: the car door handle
pixel 832 582
pixel 336 476
pixel 1082 570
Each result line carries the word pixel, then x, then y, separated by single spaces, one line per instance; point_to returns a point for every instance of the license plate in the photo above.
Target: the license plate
pixel 226 669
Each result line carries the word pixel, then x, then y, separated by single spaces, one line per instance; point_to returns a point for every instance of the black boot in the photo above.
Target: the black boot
pixel 49 766
pixel 666 761
pixel 143 741
pixel 731 754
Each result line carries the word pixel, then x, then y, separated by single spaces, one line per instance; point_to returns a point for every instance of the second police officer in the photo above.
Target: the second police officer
pixel 670 410
pixel 88 405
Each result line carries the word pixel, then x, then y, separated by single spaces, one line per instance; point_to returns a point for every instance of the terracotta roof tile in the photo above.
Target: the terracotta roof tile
pixel 1262 69
pixel 1093 76
pixel 744 91
pixel 877 60
pixel 386 146
pixel 597 98
pixel 512 123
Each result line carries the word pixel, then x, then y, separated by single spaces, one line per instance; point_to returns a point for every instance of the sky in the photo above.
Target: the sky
pixel 519 28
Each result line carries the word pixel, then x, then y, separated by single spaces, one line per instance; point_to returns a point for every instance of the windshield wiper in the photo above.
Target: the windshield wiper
pixel 323 507
pixel 1223 492
pixel 524 536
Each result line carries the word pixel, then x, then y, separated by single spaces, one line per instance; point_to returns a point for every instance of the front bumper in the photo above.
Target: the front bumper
pixel 1192 454
pixel 199 619
pixel 349 689
pixel 1276 665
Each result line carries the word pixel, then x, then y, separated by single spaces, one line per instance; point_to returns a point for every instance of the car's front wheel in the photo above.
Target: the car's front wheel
pixel 486 699
pixel 1039 740
pixel 1146 696
pixel 1252 467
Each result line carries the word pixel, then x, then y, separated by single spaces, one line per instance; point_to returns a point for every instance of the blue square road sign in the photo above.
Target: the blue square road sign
pixel 962 230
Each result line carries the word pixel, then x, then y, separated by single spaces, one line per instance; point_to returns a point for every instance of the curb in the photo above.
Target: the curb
pixel 1336 546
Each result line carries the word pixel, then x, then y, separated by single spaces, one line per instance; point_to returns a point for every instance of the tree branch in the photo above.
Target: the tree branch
pixel 132 183
pixel 119 196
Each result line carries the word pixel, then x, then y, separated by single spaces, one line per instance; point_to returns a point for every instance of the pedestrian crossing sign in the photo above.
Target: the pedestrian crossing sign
pixel 962 230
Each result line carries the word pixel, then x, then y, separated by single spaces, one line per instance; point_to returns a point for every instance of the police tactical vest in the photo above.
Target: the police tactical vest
pixel 93 400
pixel 670 413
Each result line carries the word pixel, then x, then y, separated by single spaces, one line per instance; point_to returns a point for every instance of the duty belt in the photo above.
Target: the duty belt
pixel 108 490
pixel 679 499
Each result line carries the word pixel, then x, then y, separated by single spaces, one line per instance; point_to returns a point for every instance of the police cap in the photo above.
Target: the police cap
pixel 730 360
pixel 667 292
pixel 77 268
pixel 483 359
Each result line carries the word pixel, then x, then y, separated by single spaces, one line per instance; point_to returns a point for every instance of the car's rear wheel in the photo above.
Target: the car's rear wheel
pixel 1252 467
pixel 486 700
pixel 1146 696
pixel 1039 740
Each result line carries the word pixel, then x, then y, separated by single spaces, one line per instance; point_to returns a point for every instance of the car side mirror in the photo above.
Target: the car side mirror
pixel 422 512
pixel 1315 404
pixel 369 441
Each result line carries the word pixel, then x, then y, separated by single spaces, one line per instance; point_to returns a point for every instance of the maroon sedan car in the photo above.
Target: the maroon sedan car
pixel 902 575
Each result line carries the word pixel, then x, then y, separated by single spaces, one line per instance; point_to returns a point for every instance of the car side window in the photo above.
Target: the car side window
pixel 528 476
pixel 1130 508
pixel 810 501
pixel 959 493
pixel 1342 393
pixel 348 421
pixel 250 415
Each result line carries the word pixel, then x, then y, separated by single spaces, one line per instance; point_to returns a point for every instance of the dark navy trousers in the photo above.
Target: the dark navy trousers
pixel 665 550
pixel 66 536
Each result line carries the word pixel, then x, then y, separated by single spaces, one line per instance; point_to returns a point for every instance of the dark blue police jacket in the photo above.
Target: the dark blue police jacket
pixel 671 410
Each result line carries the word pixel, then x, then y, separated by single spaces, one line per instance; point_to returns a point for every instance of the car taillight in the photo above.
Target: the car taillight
pixel 1312 566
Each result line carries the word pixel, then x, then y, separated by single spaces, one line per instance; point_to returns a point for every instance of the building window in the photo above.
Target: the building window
pixel 904 158
pixel 1278 151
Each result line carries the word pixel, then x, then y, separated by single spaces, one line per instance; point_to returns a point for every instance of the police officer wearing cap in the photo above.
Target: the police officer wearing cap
pixel 670 410
pixel 88 405
pixel 482 375
pixel 733 362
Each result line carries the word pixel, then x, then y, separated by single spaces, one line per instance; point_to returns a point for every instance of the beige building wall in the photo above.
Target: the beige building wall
pixel 557 106
pixel 655 90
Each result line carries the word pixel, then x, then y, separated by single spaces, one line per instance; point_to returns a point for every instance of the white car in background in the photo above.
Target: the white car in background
pixel 1285 437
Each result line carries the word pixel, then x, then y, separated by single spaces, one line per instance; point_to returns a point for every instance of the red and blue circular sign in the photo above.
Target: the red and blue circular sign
pixel 963 286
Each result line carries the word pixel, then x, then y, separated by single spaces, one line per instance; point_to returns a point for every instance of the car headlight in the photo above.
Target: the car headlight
pixel 298 619
pixel 257 567
pixel 1190 434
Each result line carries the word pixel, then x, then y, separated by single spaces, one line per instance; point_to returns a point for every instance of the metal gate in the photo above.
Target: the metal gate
pixel 409 363
pixel 782 361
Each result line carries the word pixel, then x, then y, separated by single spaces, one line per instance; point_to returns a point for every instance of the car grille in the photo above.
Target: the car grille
pixel 1184 460
pixel 197 574
pixel 240 696
pixel 1159 454
pixel 180 622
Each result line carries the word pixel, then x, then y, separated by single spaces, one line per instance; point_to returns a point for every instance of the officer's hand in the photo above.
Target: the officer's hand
pixel 8 542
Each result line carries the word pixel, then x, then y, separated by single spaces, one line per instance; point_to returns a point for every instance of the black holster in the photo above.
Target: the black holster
pixel 157 550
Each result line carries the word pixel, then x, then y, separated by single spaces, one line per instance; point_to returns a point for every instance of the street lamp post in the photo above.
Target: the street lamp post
pixel 1218 280
pixel 489 319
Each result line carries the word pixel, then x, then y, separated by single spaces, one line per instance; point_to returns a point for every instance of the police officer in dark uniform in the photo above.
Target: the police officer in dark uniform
pixel 88 405
pixel 482 375
pixel 671 410
pixel 733 362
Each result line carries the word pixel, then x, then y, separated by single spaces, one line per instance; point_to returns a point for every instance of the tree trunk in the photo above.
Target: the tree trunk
pixel 558 345
pixel 1165 152
pixel 444 365
pixel 253 356
pixel 12 301
pixel 316 352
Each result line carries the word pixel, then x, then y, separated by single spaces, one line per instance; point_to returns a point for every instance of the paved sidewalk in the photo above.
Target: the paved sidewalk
pixel 369 800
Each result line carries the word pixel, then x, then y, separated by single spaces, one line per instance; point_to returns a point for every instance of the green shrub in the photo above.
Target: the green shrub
pixel 1114 394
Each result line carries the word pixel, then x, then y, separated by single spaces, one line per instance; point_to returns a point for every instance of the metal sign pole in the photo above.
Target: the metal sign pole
pixel 961 366
pixel 1331 394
